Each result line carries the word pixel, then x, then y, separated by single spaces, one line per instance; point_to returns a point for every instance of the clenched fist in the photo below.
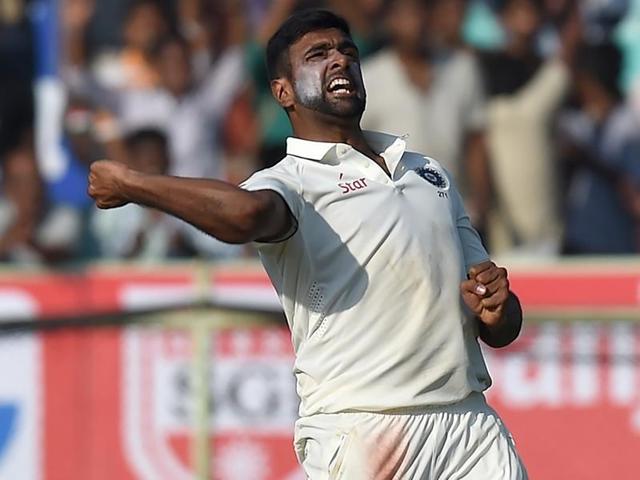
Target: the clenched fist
pixel 486 292
pixel 106 183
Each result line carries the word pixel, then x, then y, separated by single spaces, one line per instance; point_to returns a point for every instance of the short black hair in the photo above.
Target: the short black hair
pixel 146 135
pixel 603 63
pixel 294 28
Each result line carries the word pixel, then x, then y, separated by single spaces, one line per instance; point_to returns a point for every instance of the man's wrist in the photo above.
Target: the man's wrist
pixel 130 183
pixel 506 330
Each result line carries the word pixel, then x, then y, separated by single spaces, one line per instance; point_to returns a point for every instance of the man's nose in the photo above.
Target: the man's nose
pixel 339 61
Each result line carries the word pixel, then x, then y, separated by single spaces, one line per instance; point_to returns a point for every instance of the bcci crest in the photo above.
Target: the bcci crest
pixel 433 176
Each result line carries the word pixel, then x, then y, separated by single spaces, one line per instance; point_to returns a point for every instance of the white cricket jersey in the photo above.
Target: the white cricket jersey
pixel 369 281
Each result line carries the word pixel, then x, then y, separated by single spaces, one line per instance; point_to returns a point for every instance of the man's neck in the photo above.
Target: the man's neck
pixel 330 129
pixel 337 131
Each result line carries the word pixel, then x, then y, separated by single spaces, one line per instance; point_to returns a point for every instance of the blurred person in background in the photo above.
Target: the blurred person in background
pixel 31 229
pixel 525 93
pixel 190 112
pixel 21 188
pixel 601 143
pixel 426 85
pixel 364 17
pixel 115 69
pixel 627 36
pixel 136 232
pixel 146 21
pixel 21 195
pixel 445 23
pixel 186 99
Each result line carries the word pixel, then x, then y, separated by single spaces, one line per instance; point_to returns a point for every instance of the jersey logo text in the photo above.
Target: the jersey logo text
pixel 353 186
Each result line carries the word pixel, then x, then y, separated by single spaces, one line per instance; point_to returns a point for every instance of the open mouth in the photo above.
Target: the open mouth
pixel 341 86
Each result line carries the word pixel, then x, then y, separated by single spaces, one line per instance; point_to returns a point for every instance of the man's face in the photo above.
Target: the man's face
pixel 144 26
pixel 447 17
pixel 522 18
pixel 406 24
pixel 174 68
pixel 149 157
pixel 325 74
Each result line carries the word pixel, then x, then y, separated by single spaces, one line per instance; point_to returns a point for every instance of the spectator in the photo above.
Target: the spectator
pixel 102 76
pixel 21 189
pixel 525 93
pixel 445 23
pixel 31 230
pixel 362 16
pixel 130 67
pixel 133 231
pixel 144 234
pixel 436 98
pixel 190 112
pixel 20 205
pixel 628 38
pixel 602 144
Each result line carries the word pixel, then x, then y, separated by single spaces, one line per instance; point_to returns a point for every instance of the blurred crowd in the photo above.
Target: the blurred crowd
pixel 533 106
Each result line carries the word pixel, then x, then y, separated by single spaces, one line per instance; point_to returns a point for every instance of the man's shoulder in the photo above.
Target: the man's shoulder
pixel 414 159
pixel 289 164
pixel 286 170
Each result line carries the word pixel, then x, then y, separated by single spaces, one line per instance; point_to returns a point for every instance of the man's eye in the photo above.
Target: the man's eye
pixel 318 54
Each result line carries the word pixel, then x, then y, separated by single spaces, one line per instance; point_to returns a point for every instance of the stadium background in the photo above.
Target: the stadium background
pixel 150 359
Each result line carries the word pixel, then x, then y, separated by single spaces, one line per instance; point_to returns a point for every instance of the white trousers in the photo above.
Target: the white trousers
pixel 465 440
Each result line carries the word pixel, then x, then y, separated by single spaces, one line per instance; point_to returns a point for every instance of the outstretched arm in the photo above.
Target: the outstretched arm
pixel 497 308
pixel 219 209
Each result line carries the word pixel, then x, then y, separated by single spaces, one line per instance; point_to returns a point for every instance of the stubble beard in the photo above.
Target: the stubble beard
pixel 312 96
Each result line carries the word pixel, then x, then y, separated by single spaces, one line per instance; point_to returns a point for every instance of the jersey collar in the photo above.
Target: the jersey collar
pixel 385 144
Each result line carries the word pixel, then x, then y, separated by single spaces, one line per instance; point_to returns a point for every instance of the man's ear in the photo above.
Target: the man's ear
pixel 282 91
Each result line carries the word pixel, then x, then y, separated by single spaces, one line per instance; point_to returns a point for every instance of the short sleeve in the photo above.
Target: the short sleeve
pixel 472 248
pixel 284 183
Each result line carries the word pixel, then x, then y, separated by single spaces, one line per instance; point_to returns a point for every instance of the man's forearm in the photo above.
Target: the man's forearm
pixel 218 208
pixel 505 332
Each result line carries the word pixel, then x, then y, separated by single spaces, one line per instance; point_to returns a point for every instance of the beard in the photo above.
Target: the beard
pixel 309 93
pixel 338 107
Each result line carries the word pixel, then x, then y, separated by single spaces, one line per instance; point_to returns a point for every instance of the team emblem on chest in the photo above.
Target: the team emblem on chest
pixel 433 176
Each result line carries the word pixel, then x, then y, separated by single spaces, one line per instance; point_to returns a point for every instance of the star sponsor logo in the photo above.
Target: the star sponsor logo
pixel 352 186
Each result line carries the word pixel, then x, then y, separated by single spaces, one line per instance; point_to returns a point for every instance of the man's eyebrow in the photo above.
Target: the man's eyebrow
pixel 346 43
pixel 318 46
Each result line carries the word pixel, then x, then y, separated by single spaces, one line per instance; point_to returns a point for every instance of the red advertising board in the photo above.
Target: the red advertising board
pixel 571 397
pixel 557 287
pixel 118 404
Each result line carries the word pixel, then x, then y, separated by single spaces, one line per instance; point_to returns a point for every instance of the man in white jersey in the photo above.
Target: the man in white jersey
pixel 384 283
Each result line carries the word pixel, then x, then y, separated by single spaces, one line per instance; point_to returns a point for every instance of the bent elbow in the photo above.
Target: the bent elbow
pixel 251 220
